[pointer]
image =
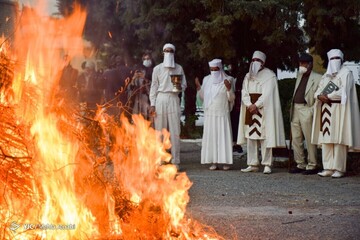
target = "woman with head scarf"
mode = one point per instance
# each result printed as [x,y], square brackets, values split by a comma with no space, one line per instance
[218,96]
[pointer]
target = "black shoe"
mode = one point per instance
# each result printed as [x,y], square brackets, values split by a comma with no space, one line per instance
[310,172]
[237,148]
[297,170]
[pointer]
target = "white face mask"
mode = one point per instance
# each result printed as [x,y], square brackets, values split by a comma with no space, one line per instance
[169,59]
[147,63]
[335,65]
[255,67]
[216,76]
[302,70]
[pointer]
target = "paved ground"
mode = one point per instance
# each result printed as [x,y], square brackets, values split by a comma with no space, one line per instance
[276,206]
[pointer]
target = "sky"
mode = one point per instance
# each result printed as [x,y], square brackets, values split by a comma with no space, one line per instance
[47,7]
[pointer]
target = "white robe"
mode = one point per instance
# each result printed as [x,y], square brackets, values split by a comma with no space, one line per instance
[217,137]
[167,105]
[344,127]
[272,126]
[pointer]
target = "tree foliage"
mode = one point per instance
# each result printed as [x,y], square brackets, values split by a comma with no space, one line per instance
[333,24]
[236,29]
[231,29]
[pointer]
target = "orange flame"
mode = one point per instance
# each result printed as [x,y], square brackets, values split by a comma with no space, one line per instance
[142,196]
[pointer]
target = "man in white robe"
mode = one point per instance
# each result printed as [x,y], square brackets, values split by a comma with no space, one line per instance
[218,98]
[165,101]
[261,121]
[336,117]
[301,116]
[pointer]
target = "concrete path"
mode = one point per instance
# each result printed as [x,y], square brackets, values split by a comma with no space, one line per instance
[276,206]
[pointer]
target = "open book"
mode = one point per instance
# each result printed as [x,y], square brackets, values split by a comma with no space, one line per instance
[329,88]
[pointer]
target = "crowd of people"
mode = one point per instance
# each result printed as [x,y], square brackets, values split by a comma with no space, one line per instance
[237,112]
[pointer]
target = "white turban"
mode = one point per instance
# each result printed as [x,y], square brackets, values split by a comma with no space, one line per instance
[334,65]
[169,60]
[216,63]
[216,77]
[256,66]
[259,55]
[335,53]
[169,45]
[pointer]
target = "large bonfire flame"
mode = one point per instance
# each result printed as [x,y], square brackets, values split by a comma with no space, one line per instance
[63,176]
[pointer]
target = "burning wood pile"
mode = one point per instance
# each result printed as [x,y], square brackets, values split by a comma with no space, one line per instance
[67,176]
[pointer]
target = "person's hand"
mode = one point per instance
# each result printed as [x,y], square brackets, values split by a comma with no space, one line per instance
[227,84]
[152,111]
[324,98]
[253,109]
[197,83]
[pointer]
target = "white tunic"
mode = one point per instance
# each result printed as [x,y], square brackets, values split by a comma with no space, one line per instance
[338,123]
[217,137]
[268,125]
[161,81]
[167,105]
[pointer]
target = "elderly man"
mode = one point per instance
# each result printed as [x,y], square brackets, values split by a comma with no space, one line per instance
[336,117]
[301,116]
[260,116]
[218,96]
[165,101]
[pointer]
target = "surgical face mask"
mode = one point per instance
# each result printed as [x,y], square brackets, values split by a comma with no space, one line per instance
[169,59]
[147,62]
[334,65]
[302,69]
[255,67]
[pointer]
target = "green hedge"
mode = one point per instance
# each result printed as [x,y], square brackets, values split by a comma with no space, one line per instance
[286,90]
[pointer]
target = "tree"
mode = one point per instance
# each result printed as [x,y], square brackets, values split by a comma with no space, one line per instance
[333,24]
[100,19]
[236,29]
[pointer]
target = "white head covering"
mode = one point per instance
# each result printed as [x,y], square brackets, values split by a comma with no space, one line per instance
[169,60]
[169,45]
[256,66]
[334,65]
[259,55]
[216,77]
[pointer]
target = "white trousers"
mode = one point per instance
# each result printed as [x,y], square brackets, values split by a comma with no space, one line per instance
[334,156]
[168,114]
[301,126]
[253,156]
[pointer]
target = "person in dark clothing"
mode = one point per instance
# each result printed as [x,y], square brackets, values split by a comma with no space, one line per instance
[235,112]
[90,85]
[67,82]
[139,87]
[116,81]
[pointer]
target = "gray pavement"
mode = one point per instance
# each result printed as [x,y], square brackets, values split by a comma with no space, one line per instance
[276,206]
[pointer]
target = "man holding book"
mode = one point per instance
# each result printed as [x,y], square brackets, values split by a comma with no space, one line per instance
[336,116]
